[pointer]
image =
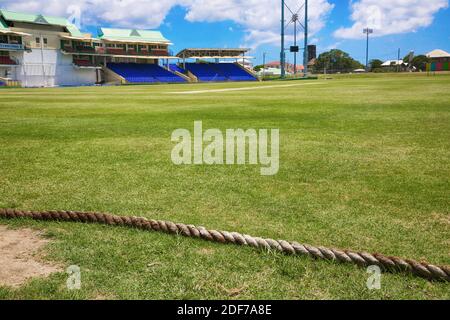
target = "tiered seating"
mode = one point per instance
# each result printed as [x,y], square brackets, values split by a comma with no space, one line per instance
[234,72]
[176,68]
[205,72]
[219,72]
[144,73]
[6,61]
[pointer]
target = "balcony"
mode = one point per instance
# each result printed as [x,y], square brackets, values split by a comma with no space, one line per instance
[83,63]
[7,61]
[80,49]
[133,52]
[114,51]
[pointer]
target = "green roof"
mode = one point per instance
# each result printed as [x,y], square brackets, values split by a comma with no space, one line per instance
[40,19]
[131,35]
[3,25]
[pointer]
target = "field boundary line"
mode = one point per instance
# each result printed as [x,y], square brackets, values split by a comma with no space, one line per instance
[244,88]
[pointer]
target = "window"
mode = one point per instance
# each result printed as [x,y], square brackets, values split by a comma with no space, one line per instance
[38,41]
[45,42]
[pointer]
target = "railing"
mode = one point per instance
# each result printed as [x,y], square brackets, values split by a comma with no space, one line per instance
[83,63]
[7,61]
[79,49]
[115,51]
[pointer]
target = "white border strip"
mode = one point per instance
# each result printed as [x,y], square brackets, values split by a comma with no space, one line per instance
[246,88]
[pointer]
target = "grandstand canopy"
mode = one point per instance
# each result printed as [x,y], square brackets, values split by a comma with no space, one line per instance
[132,36]
[211,53]
[40,19]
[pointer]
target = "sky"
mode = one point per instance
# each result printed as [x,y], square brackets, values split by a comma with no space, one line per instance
[408,25]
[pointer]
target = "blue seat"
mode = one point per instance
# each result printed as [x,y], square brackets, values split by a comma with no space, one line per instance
[176,68]
[210,72]
[144,73]
[234,72]
[205,72]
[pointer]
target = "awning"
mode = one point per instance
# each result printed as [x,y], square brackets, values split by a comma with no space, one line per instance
[221,57]
[213,53]
[117,55]
[135,41]
[80,38]
[17,33]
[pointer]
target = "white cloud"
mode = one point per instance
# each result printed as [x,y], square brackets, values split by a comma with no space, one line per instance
[390,16]
[124,13]
[259,18]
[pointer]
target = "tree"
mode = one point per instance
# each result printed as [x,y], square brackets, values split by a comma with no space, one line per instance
[375,64]
[336,61]
[258,68]
[420,62]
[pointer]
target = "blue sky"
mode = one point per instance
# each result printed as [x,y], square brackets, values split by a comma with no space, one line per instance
[406,24]
[231,34]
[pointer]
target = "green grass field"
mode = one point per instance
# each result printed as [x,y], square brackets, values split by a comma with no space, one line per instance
[364,164]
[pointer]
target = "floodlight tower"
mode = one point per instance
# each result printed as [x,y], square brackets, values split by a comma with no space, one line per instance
[367,31]
[295,19]
[306,53]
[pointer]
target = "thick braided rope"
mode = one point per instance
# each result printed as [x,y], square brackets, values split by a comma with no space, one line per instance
[362,259]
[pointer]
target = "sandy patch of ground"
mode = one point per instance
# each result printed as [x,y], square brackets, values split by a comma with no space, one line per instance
[18,256]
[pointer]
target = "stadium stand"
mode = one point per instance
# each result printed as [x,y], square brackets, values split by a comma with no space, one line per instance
[144,73]
[209,72]
[176,68]
[234,72]
[205,72]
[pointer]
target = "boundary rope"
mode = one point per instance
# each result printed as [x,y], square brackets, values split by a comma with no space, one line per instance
[362,259]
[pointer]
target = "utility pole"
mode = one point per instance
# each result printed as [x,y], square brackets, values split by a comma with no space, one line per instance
[367,31]
[282,54]
[398,60]
[306,55]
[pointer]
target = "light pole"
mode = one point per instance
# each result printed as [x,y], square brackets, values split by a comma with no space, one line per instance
[282,54]
[367,31]
[295,19]
[306,54]
[264,64]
